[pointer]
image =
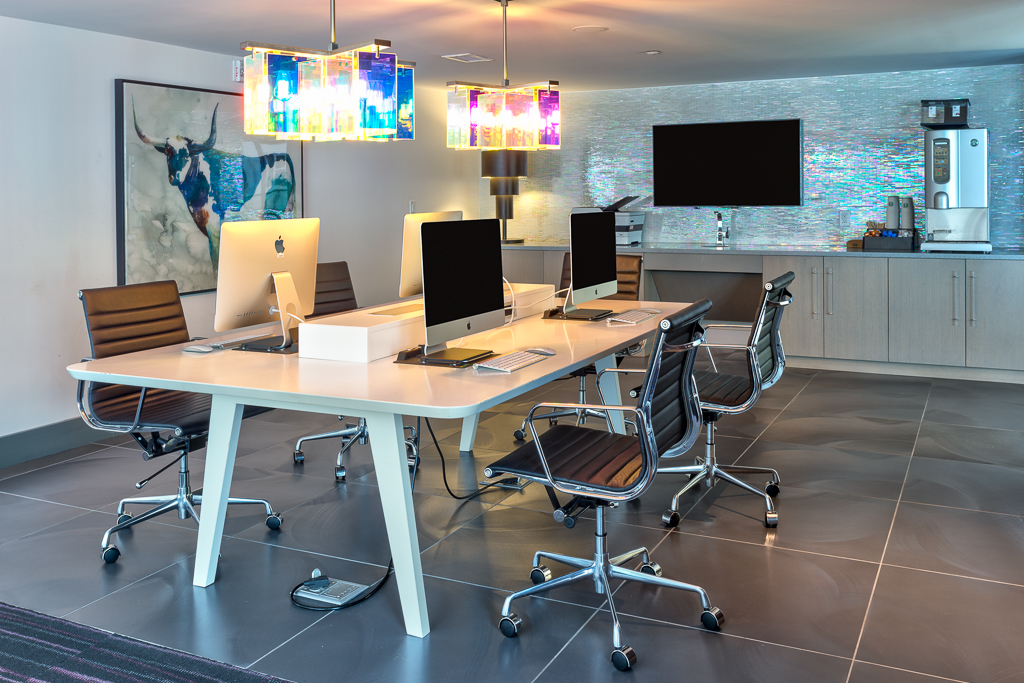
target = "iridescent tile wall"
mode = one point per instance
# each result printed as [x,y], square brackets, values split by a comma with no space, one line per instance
[862,143]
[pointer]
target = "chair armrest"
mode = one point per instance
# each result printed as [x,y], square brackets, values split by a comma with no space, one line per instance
[91,419]
[726,346]
[728,327]
[574,490]
[624,371]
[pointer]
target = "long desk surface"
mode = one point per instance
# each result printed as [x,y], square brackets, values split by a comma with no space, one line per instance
[382,392]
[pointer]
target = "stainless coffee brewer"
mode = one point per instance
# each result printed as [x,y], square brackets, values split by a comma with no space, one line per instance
[956,182]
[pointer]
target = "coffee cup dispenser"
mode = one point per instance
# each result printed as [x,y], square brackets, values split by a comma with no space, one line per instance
[956,190]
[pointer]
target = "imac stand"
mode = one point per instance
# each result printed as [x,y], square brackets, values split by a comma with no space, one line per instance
[287,308]
[570,312]
[440,354]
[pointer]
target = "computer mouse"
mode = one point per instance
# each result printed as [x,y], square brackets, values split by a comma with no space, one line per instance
[542,350]
[199,348]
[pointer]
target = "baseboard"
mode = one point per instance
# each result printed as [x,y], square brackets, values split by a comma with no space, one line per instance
[46,440]
[907,369]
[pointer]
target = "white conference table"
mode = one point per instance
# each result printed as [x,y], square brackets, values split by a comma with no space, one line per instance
[381,392]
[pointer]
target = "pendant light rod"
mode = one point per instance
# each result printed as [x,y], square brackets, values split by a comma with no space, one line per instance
[504,40]
[334,37]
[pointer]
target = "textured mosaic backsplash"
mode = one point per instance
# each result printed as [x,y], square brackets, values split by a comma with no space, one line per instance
[862,142]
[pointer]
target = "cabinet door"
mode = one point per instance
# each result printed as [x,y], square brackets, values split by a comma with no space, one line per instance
[926,311]
[994,308]
[801,327]
[856,305]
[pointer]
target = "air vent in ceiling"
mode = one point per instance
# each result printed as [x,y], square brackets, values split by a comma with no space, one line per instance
[467,58]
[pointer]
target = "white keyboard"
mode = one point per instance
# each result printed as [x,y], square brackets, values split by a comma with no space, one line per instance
[510,362]
[237,341]
[634,317]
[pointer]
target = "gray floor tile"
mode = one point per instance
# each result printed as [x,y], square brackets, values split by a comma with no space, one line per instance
[813,521]
[824,468]
[971,444]
[856,433]
[979,544]
[964,629]
[238,619]
[967,485]
[299,418]
[861,395]
[779,596]
[666,652]
[25,516]
[977,404]
[46,461]
[873,673]
[368,642]
[748,425]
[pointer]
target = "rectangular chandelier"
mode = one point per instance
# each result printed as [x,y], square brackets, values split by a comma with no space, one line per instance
[350,93]
[519,117]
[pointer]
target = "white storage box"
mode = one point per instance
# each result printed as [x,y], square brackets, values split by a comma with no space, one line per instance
[360,336]
[530,299]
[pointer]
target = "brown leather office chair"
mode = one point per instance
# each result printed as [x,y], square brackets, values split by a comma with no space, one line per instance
[601,468]
[628,270]
[335,294]
[136,318]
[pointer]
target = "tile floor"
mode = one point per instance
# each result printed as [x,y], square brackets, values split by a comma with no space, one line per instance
[898,556]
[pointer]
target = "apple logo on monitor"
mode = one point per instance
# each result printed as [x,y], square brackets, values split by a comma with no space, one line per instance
[468,326]
[279,245]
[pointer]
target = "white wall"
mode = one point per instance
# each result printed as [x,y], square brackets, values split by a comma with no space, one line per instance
[57,188]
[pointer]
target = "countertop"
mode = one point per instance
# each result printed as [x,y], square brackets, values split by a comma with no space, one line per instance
[776,250]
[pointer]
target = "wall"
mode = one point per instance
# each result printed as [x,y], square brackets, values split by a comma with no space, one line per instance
[58,180]
[862,142]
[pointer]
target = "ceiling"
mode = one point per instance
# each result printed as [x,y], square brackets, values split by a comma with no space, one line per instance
[701,41]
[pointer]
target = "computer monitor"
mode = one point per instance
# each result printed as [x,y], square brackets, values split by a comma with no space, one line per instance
[267,273]
[412,278]
[462,285]
[592,257]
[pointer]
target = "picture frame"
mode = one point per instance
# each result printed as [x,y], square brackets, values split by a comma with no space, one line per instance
[184,165]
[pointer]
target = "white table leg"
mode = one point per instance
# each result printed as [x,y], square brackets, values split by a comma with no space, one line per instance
[388,447]
[610,391]
[469,424]
[225,420]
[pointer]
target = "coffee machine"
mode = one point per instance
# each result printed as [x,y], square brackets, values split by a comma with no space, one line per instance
[956,187]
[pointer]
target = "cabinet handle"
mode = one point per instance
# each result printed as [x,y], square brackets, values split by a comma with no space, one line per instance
[974,303]
[814,293]
[829,311]
[956,299]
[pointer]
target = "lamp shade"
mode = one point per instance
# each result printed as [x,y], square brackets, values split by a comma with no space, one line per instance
[517,117]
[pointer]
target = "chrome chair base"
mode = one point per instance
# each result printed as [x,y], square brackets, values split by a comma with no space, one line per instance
[182,502]
[708,471]
[353,433]
[601,570]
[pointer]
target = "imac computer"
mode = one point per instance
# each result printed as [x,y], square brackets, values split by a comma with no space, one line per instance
[411,283]
[592,255]
[463,290]
[267,273]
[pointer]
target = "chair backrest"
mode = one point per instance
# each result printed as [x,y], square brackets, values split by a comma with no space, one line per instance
[133,317]
[627,271]
[334,291]
[764,333]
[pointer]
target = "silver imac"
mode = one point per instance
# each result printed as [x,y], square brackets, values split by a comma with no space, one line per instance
[592,255]
[267,273]
[463,291]
[412,277]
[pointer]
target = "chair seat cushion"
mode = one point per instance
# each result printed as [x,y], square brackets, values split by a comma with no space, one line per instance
[722,390]
[578,455]
[163,408]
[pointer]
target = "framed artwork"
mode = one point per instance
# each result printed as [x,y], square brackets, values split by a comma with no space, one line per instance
[184,166]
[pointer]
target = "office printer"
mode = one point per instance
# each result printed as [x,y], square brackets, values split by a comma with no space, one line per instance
[629,225]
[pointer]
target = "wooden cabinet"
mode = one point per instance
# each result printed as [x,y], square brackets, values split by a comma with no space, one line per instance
[801,328]
[993,314]
[927,311]
[856,305]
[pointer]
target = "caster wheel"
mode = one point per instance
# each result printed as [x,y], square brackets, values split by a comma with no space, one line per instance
[275,521]
[623,658]
[712,619]
[519,435]
[510,625]
[540,574]
[110,554]
[772,488]
[124,517]
[670,518]
[652,568]
[339,474]
[298,457]
[569,522]
[771,519]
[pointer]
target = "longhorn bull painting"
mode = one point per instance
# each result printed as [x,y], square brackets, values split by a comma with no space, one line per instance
[194,169]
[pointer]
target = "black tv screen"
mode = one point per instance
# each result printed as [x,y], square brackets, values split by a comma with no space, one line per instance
[744,163]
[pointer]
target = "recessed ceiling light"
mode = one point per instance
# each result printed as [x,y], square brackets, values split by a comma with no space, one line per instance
[467,58]
[590,29]
[653,52]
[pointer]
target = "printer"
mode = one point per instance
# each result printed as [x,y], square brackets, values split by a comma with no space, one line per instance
[629,225]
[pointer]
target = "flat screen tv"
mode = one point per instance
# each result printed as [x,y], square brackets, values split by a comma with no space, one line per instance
[742,163]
